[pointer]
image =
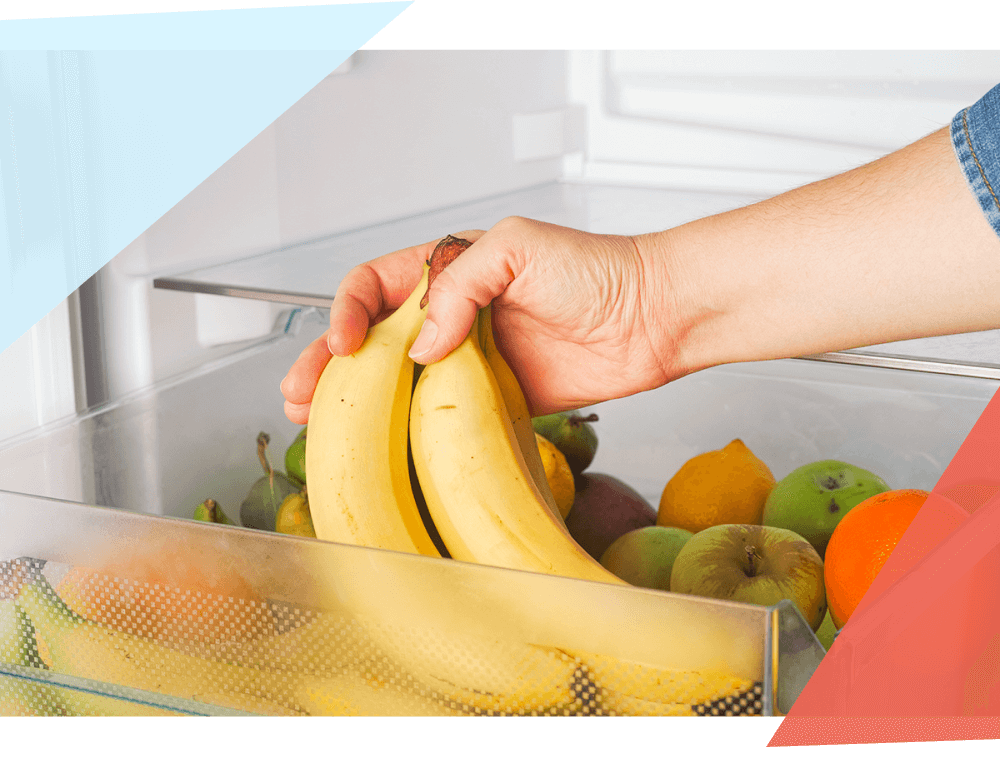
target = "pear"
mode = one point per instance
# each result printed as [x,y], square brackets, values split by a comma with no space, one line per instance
[572,434]
[295,458]
[210,511]
[260,509]
[293,516]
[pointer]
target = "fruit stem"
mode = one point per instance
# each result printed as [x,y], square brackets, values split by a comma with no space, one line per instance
[262,440]
[445,252]
[751,564]
[211,506]
[576,421]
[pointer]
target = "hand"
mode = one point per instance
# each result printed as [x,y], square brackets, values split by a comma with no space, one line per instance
[580,318]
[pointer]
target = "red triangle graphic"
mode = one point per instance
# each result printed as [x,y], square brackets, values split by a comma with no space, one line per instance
[919,659]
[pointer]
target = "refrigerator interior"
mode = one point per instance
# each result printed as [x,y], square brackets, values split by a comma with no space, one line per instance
[194,325]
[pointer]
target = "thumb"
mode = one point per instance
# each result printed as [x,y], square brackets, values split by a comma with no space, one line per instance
[476,277]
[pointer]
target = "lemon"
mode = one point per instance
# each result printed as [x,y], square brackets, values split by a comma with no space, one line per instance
[558,473]
[729,485]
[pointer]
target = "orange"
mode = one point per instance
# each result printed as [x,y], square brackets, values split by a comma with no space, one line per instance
[729,485]
[862,543]
[167,596]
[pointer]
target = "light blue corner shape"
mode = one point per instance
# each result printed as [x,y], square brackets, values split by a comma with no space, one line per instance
[303,28]
[103,130]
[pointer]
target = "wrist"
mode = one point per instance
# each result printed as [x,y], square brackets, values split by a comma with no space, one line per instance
[681,308]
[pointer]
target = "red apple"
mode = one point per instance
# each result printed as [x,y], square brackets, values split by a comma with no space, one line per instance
[752,564]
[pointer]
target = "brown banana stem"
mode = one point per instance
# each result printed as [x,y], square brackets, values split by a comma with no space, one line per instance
[445,252]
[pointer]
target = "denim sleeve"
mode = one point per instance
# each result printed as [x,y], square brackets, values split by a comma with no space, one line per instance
[975,136]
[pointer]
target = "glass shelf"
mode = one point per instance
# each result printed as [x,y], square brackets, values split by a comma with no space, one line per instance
[308,274]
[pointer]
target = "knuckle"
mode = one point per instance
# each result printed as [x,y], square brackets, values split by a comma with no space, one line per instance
[513,224]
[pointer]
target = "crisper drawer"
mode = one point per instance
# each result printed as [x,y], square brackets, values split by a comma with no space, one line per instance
[276,625]
[186,617]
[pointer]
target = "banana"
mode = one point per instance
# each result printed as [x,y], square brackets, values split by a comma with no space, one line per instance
[473,673]
[313,648]
[85,649]
[355,694]
[627,688]
[359,484]
[474,477]
[517,408]
[28,695]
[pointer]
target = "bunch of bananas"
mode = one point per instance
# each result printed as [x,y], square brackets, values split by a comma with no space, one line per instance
[479,472]
[472,442]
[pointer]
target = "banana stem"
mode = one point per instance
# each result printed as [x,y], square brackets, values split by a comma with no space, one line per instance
[445,252]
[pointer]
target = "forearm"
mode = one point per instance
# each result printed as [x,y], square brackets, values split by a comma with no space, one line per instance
[896,249]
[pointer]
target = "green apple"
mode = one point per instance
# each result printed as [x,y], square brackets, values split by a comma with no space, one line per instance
[813,499]
[645,557]
[752,564]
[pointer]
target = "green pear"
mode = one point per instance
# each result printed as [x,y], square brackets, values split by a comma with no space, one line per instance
[260,508]
[645,557]
[295,458]
[210,511]
[572,435]
[813,499]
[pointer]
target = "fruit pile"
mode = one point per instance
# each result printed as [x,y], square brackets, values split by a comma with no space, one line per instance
[458,469]
[726,529]
[276,501]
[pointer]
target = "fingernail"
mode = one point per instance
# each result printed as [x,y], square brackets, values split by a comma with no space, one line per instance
[425,339]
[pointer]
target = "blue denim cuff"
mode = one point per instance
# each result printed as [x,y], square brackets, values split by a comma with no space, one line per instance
[975,136]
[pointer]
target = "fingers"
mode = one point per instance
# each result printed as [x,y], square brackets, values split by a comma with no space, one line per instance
[472,281]
[300,383]
[297,413]
[368,294]
[371,291]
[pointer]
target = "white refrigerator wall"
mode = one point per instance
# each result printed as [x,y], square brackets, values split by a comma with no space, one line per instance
[392,134]
[387,136]
[763,122]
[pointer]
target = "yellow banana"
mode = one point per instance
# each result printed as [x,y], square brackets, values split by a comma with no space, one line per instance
[313,648]
[21,646]
[475,674]
[474,477]
[355,694]
[85,649]
[359,484]
[627,688]
[517,408]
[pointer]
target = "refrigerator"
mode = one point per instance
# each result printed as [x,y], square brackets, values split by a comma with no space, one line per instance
[144,393]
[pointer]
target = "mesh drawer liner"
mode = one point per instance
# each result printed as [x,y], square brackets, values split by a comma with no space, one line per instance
[103,645]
